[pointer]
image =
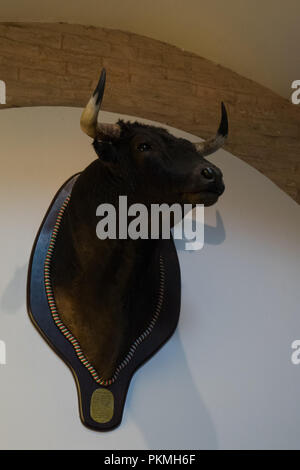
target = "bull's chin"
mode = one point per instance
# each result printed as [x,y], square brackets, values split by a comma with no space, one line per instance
[207,198]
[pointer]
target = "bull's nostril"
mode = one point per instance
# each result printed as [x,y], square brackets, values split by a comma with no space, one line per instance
[208,173]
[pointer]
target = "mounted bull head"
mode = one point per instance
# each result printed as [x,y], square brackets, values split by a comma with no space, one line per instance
[104,288]
[154,165]
[107,305]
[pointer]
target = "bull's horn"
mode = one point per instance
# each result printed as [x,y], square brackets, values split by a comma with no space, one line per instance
[89,116]
[212,145]
[106,131]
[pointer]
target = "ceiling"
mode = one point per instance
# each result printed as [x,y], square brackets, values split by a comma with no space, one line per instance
[259,39]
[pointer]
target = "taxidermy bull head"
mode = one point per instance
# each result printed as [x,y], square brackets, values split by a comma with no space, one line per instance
[149,164]
[104,289]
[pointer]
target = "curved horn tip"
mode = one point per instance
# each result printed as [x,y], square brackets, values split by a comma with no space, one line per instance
[100,86]
[88,120]
[223,128]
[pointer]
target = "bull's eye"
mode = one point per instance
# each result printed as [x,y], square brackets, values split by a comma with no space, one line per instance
[144,147]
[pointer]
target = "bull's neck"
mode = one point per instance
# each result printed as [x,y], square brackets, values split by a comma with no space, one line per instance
[118,260]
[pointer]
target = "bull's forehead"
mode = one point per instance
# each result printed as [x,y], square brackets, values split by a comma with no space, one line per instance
[157,134]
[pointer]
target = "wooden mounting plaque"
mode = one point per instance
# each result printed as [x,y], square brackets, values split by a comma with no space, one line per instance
[100,407]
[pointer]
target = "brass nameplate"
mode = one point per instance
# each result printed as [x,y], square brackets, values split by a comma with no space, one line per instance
[102,405]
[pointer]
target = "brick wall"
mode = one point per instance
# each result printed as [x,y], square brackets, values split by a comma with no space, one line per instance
[58,64]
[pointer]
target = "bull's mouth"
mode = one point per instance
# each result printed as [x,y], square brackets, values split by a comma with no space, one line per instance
[208,198]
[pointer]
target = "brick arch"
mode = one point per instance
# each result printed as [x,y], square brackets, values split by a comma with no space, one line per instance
[58,64]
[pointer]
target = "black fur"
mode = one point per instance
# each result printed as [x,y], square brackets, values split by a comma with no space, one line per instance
[103,288]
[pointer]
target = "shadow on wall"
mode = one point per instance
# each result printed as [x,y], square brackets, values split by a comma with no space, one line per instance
[14,295]
[166,405]
[179,418]
[212,235]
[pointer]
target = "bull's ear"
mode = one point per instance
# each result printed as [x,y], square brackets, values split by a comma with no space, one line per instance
[105,150]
